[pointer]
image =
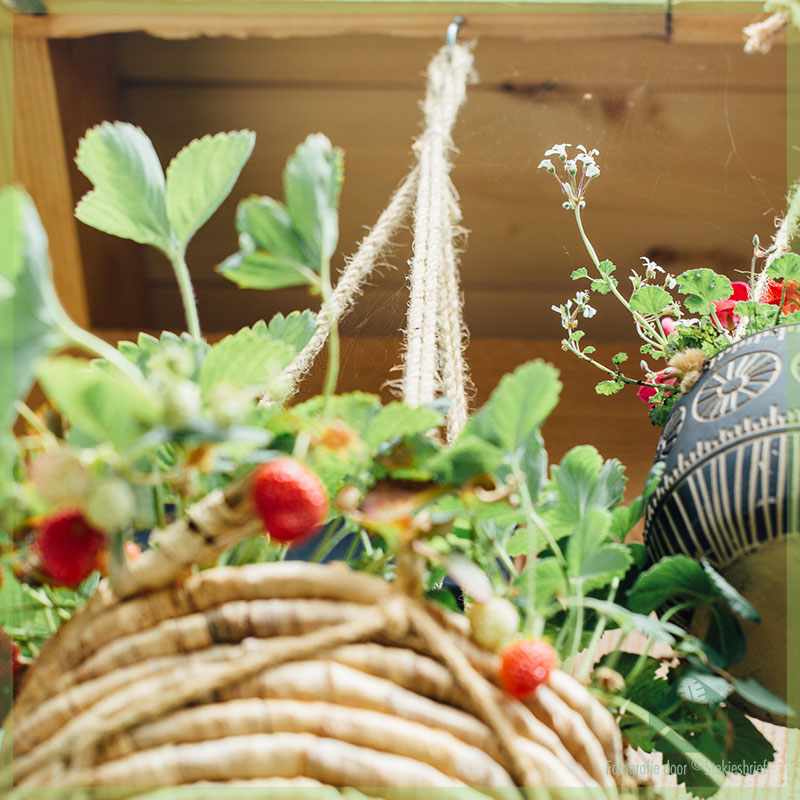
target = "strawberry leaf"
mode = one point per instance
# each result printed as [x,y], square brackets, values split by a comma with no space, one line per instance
[128,199]
[201,176]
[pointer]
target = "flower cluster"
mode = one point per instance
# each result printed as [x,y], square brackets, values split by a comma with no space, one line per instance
[578,177]
[712,313]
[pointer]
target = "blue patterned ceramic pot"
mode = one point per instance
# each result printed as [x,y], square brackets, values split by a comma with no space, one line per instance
[730,491]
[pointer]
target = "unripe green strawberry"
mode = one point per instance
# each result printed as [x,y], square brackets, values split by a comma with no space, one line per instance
[494,623]
[60,476]
[181,404]
[110,504]
[290,499]
[525,665]
[67,546]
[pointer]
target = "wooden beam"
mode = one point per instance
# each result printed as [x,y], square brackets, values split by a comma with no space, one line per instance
[40,165]
[529,27]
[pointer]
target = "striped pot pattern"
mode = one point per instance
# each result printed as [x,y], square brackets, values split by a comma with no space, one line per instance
[730,490]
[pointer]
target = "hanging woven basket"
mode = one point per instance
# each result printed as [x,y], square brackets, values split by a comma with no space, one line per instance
[291,674]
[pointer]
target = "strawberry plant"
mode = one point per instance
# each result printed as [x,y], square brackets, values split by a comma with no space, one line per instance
[129,439]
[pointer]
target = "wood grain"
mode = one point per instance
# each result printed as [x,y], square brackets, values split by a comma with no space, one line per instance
[40,164]
[88,92]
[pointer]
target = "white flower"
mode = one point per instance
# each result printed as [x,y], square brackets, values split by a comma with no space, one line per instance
[557,309]
[650,267]
[571,166]
[559,150]
[589,312]
[581,298]
[592,171]
[670,282]
[590,153]
[546,164]
[567,205]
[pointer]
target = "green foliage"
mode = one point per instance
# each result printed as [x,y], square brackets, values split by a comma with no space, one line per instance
[294,329]
[132,198]
[28,328]
[703,287]
[201,176]
[129,195]
[288,244]
[396,420]
[100,404]
[785,267]
[609,387]
[591,559]
[650,300]
[517,407]
[250,359]
[579,273]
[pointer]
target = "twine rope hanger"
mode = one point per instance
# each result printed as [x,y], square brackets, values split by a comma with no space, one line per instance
[435,335]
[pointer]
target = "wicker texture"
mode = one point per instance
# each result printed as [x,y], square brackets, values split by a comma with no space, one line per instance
[293,674]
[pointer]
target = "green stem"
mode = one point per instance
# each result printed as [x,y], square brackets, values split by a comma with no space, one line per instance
[158,506]
[641,662]
[30,417]
[332,374]
[586,243]
[578,625]
[779,310]
[661,730]
[597,634]
[178,260]
[94,344]
[657,335]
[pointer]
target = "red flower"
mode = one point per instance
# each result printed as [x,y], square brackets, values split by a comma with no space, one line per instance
[667,376]
[724,308]
[791,302]
[668,324]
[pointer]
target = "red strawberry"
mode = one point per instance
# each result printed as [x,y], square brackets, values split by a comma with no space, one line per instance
[16,664]
[526,664]
[68,546]
[290,499]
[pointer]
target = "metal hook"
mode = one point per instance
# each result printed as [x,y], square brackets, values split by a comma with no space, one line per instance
[452,30]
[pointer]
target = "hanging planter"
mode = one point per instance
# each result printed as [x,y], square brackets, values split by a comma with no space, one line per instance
[730,489]
[725,393]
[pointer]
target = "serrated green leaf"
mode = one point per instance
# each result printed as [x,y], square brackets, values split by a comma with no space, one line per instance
[625,517]
[583,482]
[590,559]
[608,562]
[751,691]
[294,329]
[467,457]
[581,272]
[671,578]
[739,605]
[650,300]
[609,387]
[102,404]
[702,687]
[518,406]
[549,582]
[785,267]
[589,349]
[256,269]
[201,176]
[249,359]
[703,287]
[128,199]
[605,267]
[312,184]
[619,358]
[28,328]
[603,286]
[749,749]
[397,419]
[356,409]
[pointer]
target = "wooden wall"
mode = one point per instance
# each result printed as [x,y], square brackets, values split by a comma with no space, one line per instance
[692,145]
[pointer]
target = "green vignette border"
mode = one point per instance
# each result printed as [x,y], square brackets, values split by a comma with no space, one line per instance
[665,7]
